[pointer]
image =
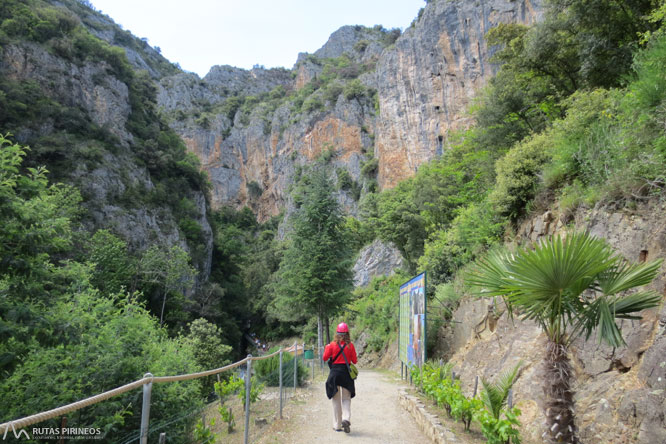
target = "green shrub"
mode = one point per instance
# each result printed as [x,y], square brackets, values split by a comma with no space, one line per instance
[476,228]
[107,342]
[345,180]
[518,175]
[375,309]
[312,104]
[370,167]
[354,90]
[255,190]
[209,351]
[332,92]
[268,370]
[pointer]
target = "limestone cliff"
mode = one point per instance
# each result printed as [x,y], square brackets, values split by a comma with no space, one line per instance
[81,122]
[427,81]
[417,87]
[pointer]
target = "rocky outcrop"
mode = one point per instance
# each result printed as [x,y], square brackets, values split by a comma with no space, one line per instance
[108,168]
[619,393]
[424,82]
[376,259]
[252,159]
[427,81]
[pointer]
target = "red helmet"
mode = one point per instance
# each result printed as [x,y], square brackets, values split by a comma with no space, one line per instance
[343,328]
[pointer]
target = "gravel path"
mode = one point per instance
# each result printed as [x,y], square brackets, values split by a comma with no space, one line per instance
[376,416]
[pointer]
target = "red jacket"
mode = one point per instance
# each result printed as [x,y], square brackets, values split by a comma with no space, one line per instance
[333,348]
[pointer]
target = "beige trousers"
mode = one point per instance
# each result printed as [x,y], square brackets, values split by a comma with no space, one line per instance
[341,407]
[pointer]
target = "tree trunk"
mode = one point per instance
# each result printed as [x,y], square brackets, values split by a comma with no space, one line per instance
[320,334]
[163,305]
[559,396]
[328,330]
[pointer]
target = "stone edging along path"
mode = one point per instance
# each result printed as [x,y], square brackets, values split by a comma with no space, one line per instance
[427,422]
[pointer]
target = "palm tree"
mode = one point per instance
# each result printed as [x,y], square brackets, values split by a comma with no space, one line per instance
[495,395]
[568,287]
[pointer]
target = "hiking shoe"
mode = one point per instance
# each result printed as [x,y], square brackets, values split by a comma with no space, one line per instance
[345,426]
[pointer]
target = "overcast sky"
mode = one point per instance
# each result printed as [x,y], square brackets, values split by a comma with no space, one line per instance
[198,34]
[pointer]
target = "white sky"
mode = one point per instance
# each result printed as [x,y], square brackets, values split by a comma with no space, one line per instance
[201,33]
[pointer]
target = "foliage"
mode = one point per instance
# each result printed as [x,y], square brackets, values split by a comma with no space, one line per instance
[268,370]
[518,175]
[428,202]
[114,267]
[501,430]
[498,425]
[100,344]
[495,395]
[203,434]
[245,255]
[61,331]
[374,309]
[255,390]
[36,228]
[168,271]
[354,90]
[209,351]
[475,229]
[254,189]
[548,285]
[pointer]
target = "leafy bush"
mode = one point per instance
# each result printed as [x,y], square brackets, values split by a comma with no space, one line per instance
[361,45]
[255,189]
[518,175]
[476,228]
[374,309]
[312,104]
[332,92]
[369,168]
[268,370]
[209,351]
[354,90]
[498,425]
[103,343]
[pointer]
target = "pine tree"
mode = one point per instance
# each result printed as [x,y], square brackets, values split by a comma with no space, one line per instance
[315,275]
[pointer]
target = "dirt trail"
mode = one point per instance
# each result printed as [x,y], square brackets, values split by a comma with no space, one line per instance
[376,416]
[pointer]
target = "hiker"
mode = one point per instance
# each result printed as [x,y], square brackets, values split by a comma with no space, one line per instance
[340,385]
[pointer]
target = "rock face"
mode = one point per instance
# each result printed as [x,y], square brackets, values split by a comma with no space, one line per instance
[109,166]
[619,393]
[377,259]
[427,81]
[421,84]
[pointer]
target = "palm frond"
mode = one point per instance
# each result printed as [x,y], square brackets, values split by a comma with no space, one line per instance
[490,274]
[491,398]
[624,276]
[494,395]
[634,303]
[608,329]
[601,313]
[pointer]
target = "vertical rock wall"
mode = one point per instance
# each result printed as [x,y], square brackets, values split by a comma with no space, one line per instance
[428,80]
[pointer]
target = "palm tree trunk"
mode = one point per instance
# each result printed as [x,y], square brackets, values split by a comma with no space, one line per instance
[559,396]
